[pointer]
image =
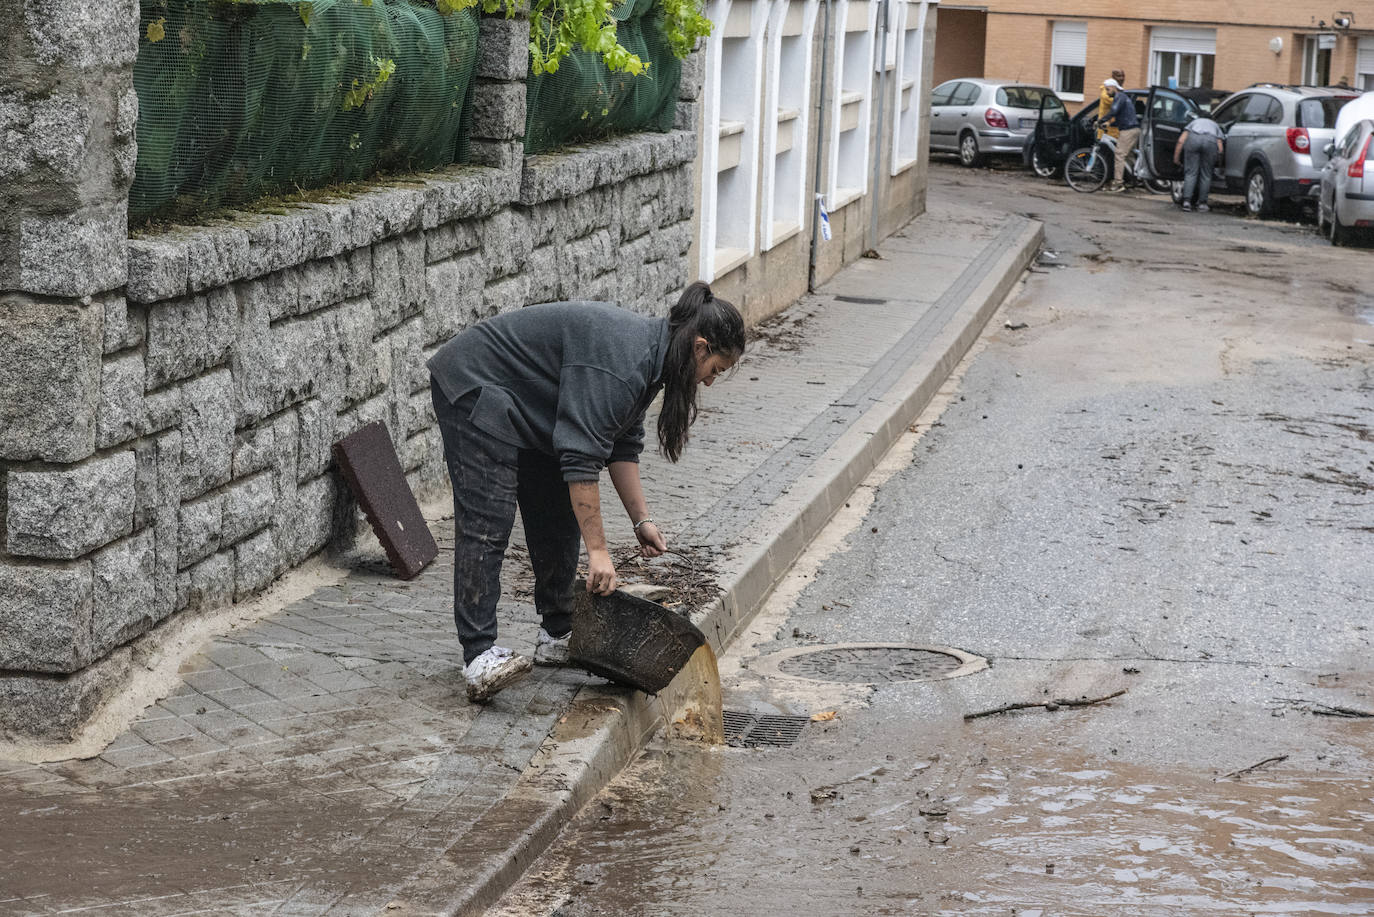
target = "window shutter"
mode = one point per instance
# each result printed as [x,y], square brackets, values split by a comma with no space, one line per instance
[1070,47]
[1186,41]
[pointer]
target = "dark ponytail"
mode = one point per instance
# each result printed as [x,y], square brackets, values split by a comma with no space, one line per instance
[697,314]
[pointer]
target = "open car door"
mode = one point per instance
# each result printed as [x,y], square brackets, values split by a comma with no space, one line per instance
[1051,139]
[1166,118]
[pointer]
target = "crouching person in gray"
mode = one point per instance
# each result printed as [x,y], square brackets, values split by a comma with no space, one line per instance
[532,405]
[1199,146]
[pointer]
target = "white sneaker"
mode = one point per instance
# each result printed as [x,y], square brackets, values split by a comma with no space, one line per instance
[495,669]
[551,650]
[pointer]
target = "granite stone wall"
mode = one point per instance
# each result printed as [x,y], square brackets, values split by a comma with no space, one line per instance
[170,399]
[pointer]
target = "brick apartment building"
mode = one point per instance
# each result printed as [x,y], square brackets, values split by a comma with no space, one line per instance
[1072,45]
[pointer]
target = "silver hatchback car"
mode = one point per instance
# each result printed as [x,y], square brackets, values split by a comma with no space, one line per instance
[977,117]
[1347,184]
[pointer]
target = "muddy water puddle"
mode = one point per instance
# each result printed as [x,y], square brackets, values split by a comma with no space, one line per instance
[738,831]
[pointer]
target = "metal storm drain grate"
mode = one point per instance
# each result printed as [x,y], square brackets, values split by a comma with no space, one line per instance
[755,730]
[873,663]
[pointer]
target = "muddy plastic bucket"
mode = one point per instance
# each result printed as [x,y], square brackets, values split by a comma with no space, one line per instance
[630,640]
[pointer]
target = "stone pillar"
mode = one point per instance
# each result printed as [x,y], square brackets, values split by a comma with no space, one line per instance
[68,114]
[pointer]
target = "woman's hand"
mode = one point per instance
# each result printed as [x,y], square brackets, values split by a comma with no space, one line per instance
[651,540]
[601,575]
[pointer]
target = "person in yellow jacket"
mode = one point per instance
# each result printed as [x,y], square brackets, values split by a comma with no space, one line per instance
[1104,104]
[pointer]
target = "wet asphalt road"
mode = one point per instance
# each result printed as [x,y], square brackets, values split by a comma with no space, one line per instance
[1164,485]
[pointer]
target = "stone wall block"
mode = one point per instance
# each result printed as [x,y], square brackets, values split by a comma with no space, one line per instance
[221,324]
[66,512]
[74,255]
[248,507]
[546,282]
[398,289]
[464,192]
[693,76]
[323,283]
[358,272]
[506,243]
[382,214]
[588,212]
[327,230]
[45,617]
[417,414]
[274,243]
[498,110]
[123,327]
[50,370]
[145,482]
[178,340]
[216,256]
[505,155]
[199,526]
[207,584]
[305,523]
[123,593]
[455,295]
[316,437]
[207,432]
[81,34]
[687,116]
[253,450]
[408,373]
[357,368]
[505,295]
[416,449]
[582,260]
[256,562]
[166,518]
[162,410]
[276,295]
[45,137]
[123,414]
[449,239]
[503,48]
[158,269]
[546,222]
[55,710]
[276,366]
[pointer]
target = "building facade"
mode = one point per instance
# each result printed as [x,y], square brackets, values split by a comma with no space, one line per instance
[804,98]
[1073,45]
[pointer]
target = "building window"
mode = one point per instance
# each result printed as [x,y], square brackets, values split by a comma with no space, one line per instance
[1364,65]
[1182,58]
[787,75]
[1069,58]
[855,60]
[1316,60]
[906,136]
[731,127]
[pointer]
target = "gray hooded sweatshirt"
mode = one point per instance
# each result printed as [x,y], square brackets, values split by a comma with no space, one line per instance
[570,379]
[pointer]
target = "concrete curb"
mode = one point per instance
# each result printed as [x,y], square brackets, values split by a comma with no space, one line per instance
[607,726]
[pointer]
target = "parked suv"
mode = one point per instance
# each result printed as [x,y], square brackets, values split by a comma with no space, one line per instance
[1276,139]
[976,117]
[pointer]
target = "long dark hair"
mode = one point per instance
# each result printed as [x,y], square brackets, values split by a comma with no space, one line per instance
[697,314]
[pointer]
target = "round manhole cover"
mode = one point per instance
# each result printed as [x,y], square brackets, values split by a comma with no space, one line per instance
[872,663]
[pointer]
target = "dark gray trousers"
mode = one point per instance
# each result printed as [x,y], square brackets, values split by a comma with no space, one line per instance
[1199,161]
[490,478]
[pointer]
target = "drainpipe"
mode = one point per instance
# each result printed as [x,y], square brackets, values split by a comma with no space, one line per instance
[820,144]
[874,202]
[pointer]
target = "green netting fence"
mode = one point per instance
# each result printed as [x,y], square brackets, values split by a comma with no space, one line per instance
[244,98]
[584,100]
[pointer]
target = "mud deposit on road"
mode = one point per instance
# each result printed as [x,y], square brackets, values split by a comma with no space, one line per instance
[696,831]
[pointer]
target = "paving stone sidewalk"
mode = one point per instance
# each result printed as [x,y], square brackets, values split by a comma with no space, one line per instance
[313,761]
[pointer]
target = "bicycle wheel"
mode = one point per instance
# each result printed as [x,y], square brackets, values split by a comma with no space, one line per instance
[1086,170]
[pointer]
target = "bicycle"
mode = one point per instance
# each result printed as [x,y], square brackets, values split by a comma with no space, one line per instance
[1089,168]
